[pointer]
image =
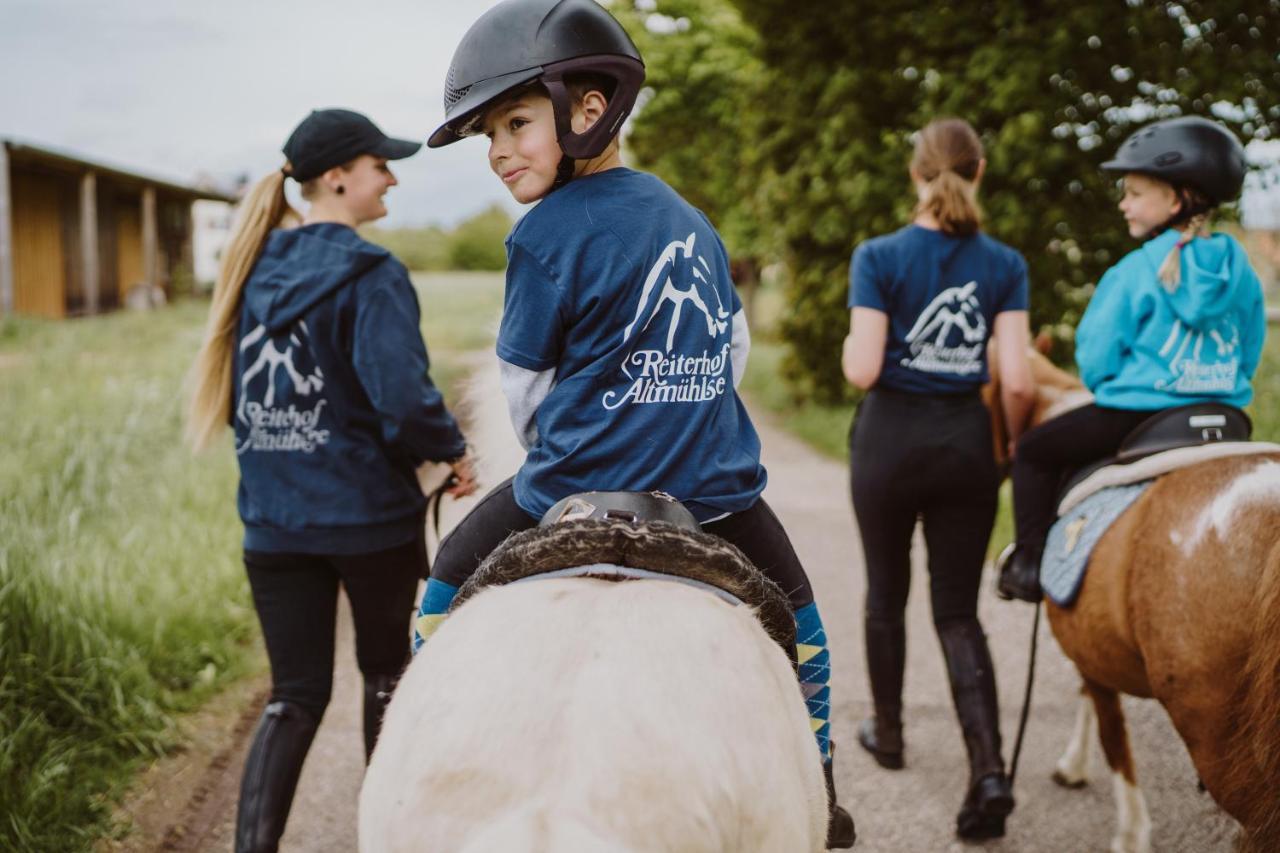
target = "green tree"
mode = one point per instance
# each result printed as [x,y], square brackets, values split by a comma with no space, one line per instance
[699,119]
[479,243]
[825,124]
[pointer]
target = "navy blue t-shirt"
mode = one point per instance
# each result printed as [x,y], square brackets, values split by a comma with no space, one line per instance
[942,294]
[623,288]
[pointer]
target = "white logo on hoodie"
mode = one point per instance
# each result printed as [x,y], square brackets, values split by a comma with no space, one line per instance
[678,278]
[275,427]
[934,349]
[1195,368]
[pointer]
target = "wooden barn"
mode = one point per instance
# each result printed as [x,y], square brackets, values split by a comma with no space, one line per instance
[77,236]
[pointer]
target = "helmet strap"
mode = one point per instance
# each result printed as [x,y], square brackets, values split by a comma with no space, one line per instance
[564,172]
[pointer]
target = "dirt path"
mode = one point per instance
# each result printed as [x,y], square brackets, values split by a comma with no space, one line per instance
[911,810]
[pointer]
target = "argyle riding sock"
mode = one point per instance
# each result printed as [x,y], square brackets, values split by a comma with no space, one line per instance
[435,606]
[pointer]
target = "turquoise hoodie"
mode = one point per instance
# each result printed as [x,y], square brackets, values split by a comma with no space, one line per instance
[1142,348]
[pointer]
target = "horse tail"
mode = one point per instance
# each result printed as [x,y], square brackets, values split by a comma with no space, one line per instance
[1258,749]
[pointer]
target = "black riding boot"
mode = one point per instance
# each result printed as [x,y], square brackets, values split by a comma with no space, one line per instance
[377,695]
[1020,573]
[840,830]
[886,642]
[271,774]
[973,688]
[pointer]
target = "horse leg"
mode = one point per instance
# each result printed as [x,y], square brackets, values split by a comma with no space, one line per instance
[1133,835]
[1072,770]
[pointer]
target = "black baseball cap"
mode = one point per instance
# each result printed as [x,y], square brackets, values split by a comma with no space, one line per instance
[329,138]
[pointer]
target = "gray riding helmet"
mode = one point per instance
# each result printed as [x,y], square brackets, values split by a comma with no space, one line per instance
[520,41]
[1186,152]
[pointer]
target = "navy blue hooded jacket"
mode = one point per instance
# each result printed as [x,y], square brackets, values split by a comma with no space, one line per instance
[333,407]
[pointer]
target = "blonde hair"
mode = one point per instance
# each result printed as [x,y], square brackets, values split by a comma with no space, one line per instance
[1196,225]
[947,157]
[209,381]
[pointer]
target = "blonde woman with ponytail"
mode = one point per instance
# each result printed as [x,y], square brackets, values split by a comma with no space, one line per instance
[925,300]
[314,357]
[1177,321]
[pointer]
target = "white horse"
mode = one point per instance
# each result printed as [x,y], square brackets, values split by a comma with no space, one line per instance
[580,714]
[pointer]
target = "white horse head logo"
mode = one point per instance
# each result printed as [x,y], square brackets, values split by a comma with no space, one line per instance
[953,308]
[271,359]
[678,265]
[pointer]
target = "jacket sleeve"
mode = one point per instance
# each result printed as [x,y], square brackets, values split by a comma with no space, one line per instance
[392,365]
[1102,338]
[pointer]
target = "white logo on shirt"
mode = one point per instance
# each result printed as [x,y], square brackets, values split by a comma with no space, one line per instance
[1193,369]
[273,427]
[934,348]
[674,263]
[677,278]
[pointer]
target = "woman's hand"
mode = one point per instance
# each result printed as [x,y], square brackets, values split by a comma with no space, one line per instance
[464,476]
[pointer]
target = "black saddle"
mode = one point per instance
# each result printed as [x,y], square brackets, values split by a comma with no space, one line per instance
[1184,426]
[651,532]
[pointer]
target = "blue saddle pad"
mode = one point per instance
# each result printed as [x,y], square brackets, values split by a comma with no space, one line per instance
[1072,537]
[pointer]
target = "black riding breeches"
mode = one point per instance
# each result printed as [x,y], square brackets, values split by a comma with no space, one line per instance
[755,531]
[929,458]
[296,596]
[1046,455]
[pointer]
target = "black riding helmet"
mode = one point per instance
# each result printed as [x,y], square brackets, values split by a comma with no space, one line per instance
[521,41]
[1189,152]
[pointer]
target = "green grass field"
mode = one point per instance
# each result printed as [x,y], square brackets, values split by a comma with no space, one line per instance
[122,598]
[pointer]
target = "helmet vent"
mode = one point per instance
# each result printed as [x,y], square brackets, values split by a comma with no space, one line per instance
[453,94]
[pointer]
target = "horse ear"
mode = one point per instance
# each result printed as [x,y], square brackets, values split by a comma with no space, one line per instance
[1043,343]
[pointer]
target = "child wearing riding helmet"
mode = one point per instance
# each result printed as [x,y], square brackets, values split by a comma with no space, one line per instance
[314,357]
[622,338]
[925,300]
[1177,321]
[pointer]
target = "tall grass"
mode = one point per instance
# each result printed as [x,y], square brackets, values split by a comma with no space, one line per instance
[123,601]
[121,596]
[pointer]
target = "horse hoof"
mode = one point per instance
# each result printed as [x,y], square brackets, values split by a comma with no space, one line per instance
[1067,782]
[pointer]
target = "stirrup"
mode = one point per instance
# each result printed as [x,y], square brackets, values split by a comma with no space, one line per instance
[1019,574]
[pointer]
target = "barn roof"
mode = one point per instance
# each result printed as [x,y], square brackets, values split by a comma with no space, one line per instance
[66,161]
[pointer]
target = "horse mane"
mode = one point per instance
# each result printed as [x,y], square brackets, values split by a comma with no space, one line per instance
[1056,392]
[1255,755]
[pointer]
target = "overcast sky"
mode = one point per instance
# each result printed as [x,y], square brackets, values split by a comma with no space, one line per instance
[179,88]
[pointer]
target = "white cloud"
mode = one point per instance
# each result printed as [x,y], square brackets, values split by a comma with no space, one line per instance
[179,89]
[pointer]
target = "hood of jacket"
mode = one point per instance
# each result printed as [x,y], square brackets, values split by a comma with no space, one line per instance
[300,266]
[1214,268]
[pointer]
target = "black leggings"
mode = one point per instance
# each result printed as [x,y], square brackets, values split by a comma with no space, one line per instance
[756,531]
[914,456]
[296,596]
[1055,449]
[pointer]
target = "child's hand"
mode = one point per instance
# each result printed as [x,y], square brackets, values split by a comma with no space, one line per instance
[464,476]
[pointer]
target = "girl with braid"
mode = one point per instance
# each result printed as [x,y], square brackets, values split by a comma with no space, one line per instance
[1177,321]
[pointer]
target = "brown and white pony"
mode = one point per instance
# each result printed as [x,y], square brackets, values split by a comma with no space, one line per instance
[1181,603]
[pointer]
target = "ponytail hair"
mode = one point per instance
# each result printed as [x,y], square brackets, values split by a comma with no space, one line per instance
[1170,271]
[209,409]
[1193,221]
[948,155]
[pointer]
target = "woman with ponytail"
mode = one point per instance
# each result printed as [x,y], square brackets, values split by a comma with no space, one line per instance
[314,357]
[1179,320]
[925,301]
